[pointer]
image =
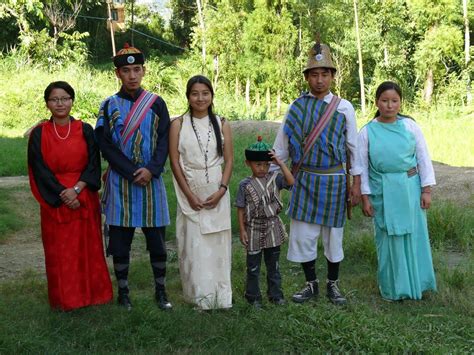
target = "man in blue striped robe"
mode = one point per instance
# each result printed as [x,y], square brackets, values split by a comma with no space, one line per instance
[317,202]
[136,147]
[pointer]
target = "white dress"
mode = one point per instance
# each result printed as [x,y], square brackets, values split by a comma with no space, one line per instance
[203,237]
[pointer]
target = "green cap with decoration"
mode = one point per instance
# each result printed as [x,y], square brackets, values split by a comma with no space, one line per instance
[258,151]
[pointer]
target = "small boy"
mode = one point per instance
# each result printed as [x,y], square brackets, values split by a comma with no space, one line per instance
[258,204]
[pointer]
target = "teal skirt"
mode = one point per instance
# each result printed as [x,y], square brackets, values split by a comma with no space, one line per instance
[405,266]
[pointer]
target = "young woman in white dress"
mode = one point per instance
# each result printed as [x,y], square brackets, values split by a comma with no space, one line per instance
[200,144]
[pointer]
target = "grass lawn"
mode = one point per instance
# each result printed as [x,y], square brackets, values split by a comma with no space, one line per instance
[441,323]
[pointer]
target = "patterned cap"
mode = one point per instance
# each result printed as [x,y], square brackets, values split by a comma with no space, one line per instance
[319,56]
[128,56]
[258,151]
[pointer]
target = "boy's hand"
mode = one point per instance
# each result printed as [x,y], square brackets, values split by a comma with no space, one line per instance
[275,159]
[244,239]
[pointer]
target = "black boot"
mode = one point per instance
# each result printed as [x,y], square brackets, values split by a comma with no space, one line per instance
[124,301]
[121,265]
[311,290]
[162,300]
[333,293]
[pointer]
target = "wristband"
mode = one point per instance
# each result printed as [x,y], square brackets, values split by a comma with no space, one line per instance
[224,186]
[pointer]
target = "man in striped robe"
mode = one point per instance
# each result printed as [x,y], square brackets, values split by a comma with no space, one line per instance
[317,202]
[132,133]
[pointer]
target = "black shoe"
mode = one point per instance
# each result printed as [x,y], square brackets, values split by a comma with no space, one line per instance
[334,295]
[124,301]
[278,301]
[257,304]
[309,291]
[162,300]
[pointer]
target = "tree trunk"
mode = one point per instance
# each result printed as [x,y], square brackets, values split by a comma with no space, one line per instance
[247,93]
[257,99]
[203,30]
[111,23]
[216,71]
[278,102]
[385,55]
[467,56]
[429,86]
[133,24]
[237,88]
[268,102]
[359,54]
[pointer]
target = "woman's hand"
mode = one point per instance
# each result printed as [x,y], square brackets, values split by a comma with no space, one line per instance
[73,205]
[425,200]
[195,202]
[68,195]
[214,199]
[367,208]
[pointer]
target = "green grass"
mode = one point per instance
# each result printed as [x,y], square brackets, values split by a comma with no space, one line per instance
[441,323]
[13,156]
[9,221]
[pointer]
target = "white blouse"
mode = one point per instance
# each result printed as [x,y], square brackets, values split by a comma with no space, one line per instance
[425,166]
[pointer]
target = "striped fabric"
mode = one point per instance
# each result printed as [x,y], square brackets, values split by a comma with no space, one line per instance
[317,198]
[264,228]
[127,204]
[137,114]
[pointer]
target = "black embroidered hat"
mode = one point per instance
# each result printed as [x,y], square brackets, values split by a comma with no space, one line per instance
[128,56]
[258,151]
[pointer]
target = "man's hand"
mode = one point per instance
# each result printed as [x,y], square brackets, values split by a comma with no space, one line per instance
[142,176]
[355,194]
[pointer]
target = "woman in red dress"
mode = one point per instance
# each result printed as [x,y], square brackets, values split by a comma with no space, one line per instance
[64,171]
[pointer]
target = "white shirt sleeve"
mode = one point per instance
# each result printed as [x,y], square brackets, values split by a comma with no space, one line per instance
[346,108]
[280,146]
[425,166]
[363,161]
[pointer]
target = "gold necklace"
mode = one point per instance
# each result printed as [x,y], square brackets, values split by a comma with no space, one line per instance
[68,130]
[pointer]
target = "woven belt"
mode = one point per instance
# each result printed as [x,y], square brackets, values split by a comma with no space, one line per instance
[323,171]
[412,172]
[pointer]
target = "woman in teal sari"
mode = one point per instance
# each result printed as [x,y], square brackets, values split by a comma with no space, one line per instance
[396,179]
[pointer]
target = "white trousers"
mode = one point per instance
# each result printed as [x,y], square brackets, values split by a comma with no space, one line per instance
[303,243]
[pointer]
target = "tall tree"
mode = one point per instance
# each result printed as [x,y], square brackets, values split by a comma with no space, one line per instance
[467,55]
[359,55]
[182,20]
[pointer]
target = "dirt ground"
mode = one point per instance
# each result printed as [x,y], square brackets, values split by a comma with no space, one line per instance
[23,251]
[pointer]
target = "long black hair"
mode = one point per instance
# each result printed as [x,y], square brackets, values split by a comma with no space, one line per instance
[201,79]
[59,85]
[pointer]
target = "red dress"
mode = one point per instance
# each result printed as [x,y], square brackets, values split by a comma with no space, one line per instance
[72,239]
